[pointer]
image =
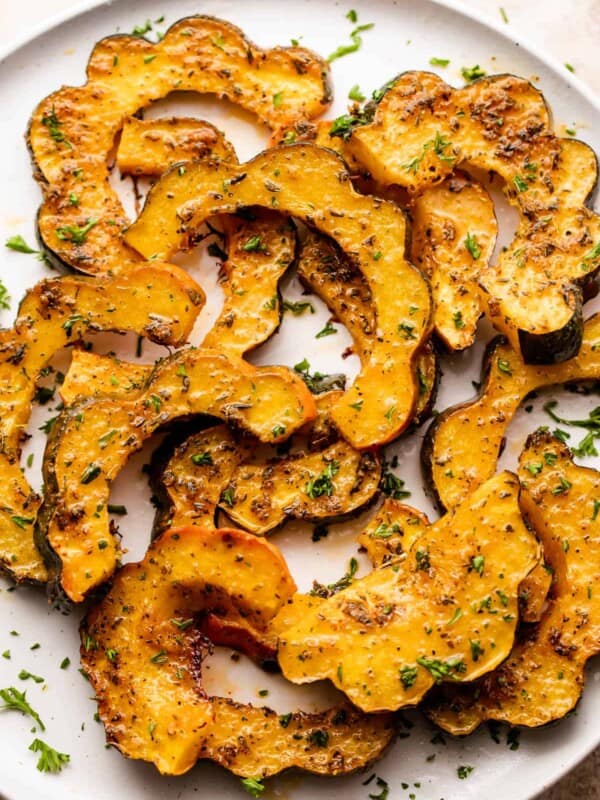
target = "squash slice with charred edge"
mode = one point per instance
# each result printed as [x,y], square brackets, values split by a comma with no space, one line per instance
[422,129]
[90,443]
[312,184]
[324,269]
[315,483]
[454,231]
[430,616]
[143,651]
[396,526]
[543,677]
[462,446]
[160,302]
[151,146]
[260,246]
[188,479]
[72,131]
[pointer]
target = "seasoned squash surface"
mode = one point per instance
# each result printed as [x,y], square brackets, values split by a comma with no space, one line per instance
[312,183]
[462,446]
[422,129]
[543,677]
[73,130]
[445,611]
[142,650]
[160,302]
[91,442]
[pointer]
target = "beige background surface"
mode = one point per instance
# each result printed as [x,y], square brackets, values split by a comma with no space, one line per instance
[570,31]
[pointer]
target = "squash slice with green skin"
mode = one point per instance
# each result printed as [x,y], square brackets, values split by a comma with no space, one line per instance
[151,146]
[143,652]
[90,443]
[421,130]
[462,446]
[312,183]
[324,269]
[160,302]
[72,131]
[445,611]
[453,235]
[322,481]
[543,677]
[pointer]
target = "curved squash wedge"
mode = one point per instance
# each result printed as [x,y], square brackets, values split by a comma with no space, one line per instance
[72,131]
[260,247]
[454,232]
[160,302]
[324,269]
[462,446]
[91,442]
[188,480]
[422,129]
[315,483]
[446,611]
[453,236]
[143,651]
[151,146]
[543,677]
[312,184]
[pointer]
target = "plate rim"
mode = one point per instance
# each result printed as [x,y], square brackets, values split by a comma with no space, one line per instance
[551,62]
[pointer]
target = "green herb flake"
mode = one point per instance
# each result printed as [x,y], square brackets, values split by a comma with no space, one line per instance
[74,233]
[254,244]
[439,62]
[228,497]
[440,670]
[277,99]
[464,771]
[254,786]
[596,509]
[472,73]
[202,459]
[563,486]
[356,94]
[19,245]
[25,675]
[504,15]
[52,123]
[477,564]
[297,307]
[504,366]
[22,522]
[476,649]
[323,483]
[328,330]
[160,658]
[520,184]
[50,760]
[14,700]
[570,67]
[457,318]
[408,676]
[149,59]
[346,49]
[473,246]
[65,663]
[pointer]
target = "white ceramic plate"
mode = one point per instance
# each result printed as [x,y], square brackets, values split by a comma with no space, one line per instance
[406,35]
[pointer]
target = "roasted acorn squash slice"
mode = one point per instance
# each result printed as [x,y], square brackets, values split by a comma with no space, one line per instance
[462,446]
[151,146]
[422,129]
[91,442]
[543,677]
[326,271]
[72,131]
[160,302]
[312,184]
[92,376]
[142,651]
[315,483]
[446,611]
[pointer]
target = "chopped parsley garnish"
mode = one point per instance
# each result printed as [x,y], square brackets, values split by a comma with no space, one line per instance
[14,700]
[4,297]
[504,15]
[472,73]
[439,670]
[160,658]
[326,590]
[563,486]
[464,771]
[346,49]
[477,564]
[254,786]
[319,382]
[385,790]
[50,760]
[119,510]
[457,318]
[253,244]
[534,467]
[201,459]
[74,233]
[64,664]
[285,719]
[384,531]
[25,675]
[105,439]
[504,366]
[423,560]
[520,184]
[596,509]
[439,145]
[328,330]
[323,484]
[408,676]
[439,62]
[343,125]
[407,330]
[476,649]
[570,67]
[54,125]
[278,430]
[297,307]
[19,245]
[90,473]
[392,485]
[22,522]
[140,30]
[277,99]
[320,738]
[473,246]
[228,496]
[356,94]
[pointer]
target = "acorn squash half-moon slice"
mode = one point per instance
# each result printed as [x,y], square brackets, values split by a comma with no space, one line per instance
[160,302]
[462,446]
[90,443]
[422,129]
[447,610]
[543,677]
[72,131]
[142,650]
[312,184]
